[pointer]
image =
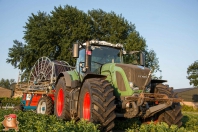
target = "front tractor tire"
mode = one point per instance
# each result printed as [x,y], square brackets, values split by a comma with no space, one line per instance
[171,115]
[96,103]
[45,106]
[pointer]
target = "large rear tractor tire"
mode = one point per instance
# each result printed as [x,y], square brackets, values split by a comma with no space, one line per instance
[171,115]
[45,106]
[96,103]
[61,101]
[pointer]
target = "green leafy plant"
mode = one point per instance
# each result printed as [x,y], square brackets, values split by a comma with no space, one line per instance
[124,123]
[189,108]
[10,101]
[32,122]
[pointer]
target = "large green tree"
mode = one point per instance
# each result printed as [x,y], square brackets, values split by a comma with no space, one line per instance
[53,34]
[110,27]
[69,25]
[153,63]
[192,72]
[15,54]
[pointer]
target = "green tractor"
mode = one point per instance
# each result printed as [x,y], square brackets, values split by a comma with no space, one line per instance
[102,87]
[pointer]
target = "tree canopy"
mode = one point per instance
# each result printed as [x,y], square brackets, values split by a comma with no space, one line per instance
[192,72]
[153,63]
[53,35]
[6,83]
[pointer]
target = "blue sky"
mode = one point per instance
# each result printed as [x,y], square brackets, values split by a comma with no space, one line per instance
[169,27]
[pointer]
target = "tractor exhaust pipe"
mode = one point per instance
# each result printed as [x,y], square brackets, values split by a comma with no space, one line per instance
[142,59]
[75,50]
[88,57]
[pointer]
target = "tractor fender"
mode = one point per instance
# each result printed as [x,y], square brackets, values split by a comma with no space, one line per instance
[67,77]
[69,82]
[154,82]
[90,75]
[76,83]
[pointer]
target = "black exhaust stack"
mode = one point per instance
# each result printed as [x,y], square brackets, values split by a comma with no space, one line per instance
[88,57]
[142,59]
[75,50]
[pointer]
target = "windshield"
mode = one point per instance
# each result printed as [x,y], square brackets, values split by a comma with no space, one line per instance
[102,55]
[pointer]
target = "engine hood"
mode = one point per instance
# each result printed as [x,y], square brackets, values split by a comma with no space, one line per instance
[136,74]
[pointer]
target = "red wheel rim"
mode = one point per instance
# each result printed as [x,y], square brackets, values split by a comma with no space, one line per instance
[60,102]
[86,106]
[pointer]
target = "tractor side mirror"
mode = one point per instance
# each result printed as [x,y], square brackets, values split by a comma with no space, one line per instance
[75,50]
[142,59]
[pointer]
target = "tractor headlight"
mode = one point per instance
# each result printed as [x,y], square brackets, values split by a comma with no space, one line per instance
[131,84]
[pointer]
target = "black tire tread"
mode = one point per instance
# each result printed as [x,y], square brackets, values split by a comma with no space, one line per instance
[66,113]
[49,105]
[103,98]
[171,115]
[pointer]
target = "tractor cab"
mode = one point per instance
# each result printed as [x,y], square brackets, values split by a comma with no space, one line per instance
[97,56]
[92,55]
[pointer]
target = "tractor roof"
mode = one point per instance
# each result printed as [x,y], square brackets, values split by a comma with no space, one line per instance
[104,43]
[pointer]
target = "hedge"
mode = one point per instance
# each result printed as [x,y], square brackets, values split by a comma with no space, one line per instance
[10,101]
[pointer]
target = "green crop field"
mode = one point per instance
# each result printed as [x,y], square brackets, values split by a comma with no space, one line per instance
[29,121]
[32,122]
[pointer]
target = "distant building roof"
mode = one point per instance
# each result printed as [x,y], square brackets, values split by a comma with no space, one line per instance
[5,92]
